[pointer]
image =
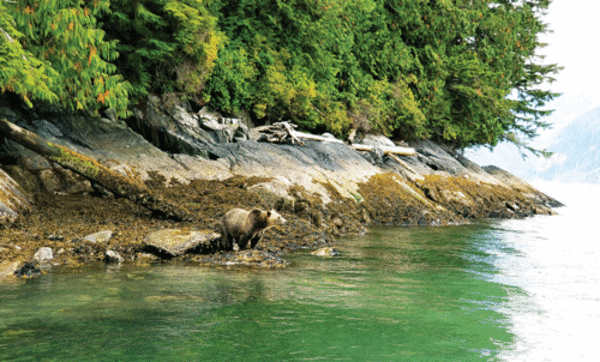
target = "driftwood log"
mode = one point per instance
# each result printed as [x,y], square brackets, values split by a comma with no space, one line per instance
[282,130]
[397,150]
[121,186]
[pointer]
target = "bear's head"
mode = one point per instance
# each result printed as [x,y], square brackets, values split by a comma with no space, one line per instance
[274,219]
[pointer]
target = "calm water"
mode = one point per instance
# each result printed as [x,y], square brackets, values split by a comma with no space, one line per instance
[526,290]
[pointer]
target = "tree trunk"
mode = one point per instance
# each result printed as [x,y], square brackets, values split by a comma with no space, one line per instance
[120,185]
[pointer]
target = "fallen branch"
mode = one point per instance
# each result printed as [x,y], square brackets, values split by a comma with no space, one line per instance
[402,163]
[89,168]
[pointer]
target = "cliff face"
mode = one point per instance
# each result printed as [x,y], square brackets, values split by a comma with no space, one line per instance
[324,189]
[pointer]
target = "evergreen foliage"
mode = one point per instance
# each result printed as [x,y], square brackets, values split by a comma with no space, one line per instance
[166,46]
[461,72]
[64,37]
[20,72]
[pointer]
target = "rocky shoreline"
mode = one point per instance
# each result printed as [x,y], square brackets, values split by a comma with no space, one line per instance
[207,165]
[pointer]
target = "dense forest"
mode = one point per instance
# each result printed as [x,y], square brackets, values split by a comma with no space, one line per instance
[460,72]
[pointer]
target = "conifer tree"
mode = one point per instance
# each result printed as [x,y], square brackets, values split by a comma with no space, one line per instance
[63,35]
[165,46]
[20,71]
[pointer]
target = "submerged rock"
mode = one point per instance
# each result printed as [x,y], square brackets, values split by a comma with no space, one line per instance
[175,242]
[112,256]
[328,251]
[251,258]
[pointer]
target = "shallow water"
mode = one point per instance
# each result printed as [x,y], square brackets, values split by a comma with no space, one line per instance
[515,290]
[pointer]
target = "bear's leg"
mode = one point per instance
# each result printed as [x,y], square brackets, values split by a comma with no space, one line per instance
[244,242]
[256,238]
[225,237]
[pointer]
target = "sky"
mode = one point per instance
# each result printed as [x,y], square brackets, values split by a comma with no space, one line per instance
[573,45]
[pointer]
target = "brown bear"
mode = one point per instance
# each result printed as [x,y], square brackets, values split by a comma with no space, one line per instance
[240,227]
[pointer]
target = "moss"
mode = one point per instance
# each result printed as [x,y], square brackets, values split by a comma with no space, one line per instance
[84,165]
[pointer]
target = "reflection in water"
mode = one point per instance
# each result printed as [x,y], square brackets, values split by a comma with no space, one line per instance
[490,291]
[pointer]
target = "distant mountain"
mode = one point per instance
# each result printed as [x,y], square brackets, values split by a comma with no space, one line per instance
[576,148]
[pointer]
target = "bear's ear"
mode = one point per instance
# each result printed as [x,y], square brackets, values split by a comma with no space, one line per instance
[269,213]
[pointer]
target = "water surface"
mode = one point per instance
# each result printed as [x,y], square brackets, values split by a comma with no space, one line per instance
[524,290]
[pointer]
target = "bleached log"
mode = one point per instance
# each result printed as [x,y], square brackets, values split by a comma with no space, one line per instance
[281,130]
[397,150]
[309,136]
[402,163]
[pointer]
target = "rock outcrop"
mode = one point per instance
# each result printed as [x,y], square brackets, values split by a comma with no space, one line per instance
[12,200]
[210,164]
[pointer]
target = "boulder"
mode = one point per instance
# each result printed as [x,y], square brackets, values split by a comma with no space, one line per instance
[376,140]
[175,242]
[279,187]
[43,255]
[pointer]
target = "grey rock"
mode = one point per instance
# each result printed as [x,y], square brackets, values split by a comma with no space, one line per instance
[99,237]
[376,140]
[175,242]
[12,200]
[48,128]
[43,255]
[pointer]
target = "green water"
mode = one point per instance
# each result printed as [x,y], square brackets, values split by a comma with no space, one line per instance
[417,294]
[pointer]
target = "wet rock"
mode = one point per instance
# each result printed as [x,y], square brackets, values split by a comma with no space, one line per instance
[327,251]
[251,258]
[99,237]
[43,255]
[146,257]
[28,270]
[175,242]
[112,256]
